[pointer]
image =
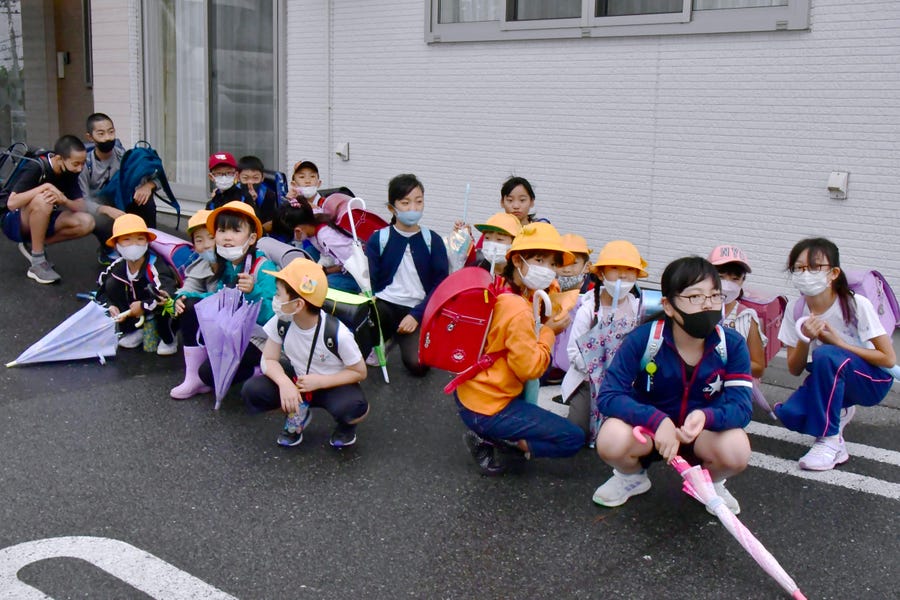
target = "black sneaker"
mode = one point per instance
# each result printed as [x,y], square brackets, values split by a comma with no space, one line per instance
[343,436]
[289,439]
[485,454]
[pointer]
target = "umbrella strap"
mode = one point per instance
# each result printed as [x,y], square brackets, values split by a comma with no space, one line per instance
[312,347]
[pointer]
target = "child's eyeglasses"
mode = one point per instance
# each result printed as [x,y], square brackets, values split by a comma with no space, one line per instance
[700,299]
[810,268]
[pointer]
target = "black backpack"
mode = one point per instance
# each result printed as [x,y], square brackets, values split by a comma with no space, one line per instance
[329,332]
[12,163]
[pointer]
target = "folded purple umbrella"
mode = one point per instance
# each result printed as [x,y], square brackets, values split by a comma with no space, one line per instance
[226,321]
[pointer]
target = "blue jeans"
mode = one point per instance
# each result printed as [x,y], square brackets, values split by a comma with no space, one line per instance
[837,379]
[547,435]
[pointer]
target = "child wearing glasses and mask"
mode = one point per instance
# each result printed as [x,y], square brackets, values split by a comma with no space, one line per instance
[693,394]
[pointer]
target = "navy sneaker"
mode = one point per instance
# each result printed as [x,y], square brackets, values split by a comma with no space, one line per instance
[485,454]
[343,436]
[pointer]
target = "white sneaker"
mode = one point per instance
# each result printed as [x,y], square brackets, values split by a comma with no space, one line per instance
[165,349]
[847,415]
[132,340]
[729,500]
[825,454]
[620,487]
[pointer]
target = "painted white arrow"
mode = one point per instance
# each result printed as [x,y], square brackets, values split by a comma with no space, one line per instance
[139,569]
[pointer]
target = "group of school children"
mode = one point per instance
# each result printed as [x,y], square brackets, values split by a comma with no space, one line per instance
[686,376]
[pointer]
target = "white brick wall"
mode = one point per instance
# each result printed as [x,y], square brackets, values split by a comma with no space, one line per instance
[674,142]
[116,40]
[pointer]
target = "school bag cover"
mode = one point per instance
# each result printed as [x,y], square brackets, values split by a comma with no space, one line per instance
[456,322]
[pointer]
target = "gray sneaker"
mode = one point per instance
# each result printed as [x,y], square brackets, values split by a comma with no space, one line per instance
[25,250]
[43,273]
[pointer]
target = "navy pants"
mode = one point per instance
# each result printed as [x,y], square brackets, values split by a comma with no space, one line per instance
[837,379]
[548,435]
[345,402]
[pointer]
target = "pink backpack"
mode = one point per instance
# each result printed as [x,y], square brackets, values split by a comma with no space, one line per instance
[770,310]
[176,252]
[873,286]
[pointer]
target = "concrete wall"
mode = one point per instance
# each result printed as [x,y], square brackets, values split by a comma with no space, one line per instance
[39,60]
[75,98]
[676,143]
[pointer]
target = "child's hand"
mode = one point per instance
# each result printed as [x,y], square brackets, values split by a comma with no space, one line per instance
[408,324]
[693,425]
[136,308]
[252,191]
[290,397]
[828,336]
[666,440]
[559,323]
[143,192]
[179,305]
[812,327]
[311,382]
[459,224]
[245,282]
[114,311]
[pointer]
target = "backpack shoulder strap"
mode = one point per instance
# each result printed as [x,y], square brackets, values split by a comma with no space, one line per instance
[722,347]
[654,343]
[383,234]
[426,235]
[283,326]
[331,333]
[799,305]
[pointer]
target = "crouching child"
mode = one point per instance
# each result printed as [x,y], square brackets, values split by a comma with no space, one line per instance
[326,362]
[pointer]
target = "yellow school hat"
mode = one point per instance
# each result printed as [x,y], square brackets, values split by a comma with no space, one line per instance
[198,220]
[127,224]
[501,223]
[306,278]
[576,244]
[540,236]
[621,253]
[237,207]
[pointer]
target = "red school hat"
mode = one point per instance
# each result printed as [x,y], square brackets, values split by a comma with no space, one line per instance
[222,158]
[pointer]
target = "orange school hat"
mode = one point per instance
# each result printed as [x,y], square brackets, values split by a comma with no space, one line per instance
[237,207]
[127,224]
[621,253]
[501,223]
[306,278]
[198,220]
[540,236]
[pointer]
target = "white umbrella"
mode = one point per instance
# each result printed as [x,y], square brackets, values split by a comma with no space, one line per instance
[89,333]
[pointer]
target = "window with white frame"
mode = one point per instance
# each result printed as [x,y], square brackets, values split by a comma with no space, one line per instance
[477,20]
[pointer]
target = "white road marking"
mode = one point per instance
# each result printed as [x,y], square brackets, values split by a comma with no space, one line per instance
[853,481]
[882,455]
[139,569]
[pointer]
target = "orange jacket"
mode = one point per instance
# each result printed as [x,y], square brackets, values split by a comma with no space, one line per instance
[526,357]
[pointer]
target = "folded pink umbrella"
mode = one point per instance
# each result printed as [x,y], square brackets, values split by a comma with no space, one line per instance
[698,483]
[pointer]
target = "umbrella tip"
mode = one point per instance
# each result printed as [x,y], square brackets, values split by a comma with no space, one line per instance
[11,364]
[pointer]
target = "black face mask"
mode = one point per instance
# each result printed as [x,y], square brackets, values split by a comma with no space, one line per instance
[106,146]
[701,324]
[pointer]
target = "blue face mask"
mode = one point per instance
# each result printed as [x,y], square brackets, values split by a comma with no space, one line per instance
[208,255]
[409,217]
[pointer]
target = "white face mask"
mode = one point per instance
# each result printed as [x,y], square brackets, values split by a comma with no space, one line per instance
[494,252]
[133,252]
[233,253]
[731,289]
[308,191]
[811,284]
[223,182]
[537,277]
[624,287]
[278,308]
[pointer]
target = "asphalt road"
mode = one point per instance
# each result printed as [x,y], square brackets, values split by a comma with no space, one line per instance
[102,451]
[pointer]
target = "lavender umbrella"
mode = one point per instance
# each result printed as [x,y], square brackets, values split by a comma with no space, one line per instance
[226,321]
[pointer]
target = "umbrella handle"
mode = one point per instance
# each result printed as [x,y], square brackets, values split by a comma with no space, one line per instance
[350,211]
[641,433]
[124,315]
[799,328]
[540,296]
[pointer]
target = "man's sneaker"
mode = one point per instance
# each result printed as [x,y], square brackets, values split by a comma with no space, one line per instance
[620,487]
[485,454]
[132,340]
[847,415]
[825,454]
[729,500]
[343,436]
[43,273]
[165,349]
[106,256]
